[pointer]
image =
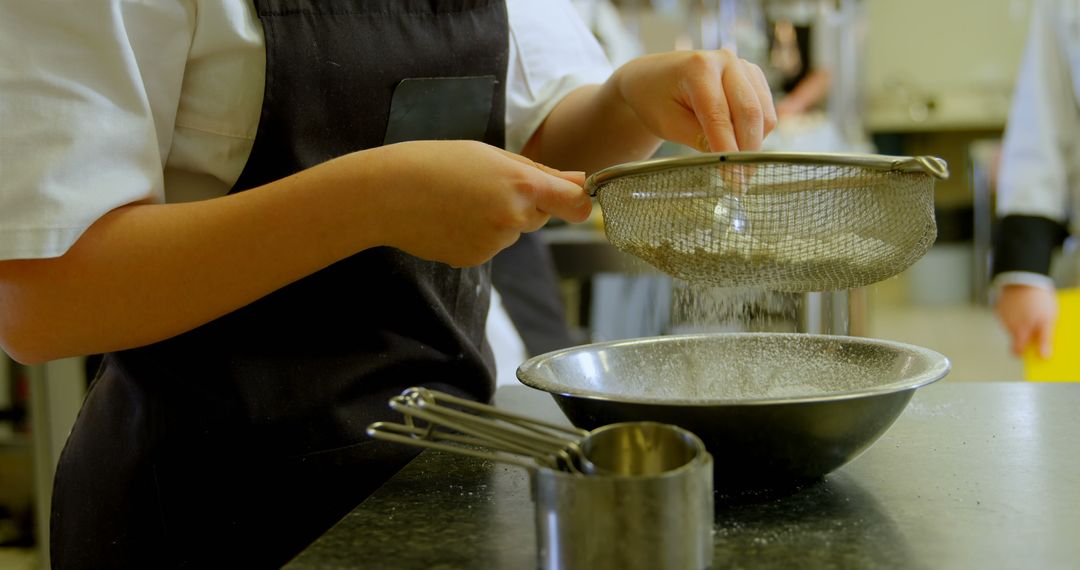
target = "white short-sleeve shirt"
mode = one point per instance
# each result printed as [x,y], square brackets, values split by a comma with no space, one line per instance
[110,102]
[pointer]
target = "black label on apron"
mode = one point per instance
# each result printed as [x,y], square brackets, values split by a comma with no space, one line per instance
[440,108]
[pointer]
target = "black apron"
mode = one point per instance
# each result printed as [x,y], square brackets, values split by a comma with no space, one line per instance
[237,443]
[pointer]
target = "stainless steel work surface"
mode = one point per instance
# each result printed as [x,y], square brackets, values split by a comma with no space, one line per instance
[972,475]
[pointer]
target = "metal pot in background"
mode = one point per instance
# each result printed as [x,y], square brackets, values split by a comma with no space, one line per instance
[611,295]
[704,310]
[834,312]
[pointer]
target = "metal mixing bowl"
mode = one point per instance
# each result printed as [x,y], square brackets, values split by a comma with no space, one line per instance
[770,407]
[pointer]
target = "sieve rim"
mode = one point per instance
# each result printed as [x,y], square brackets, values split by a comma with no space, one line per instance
[931,165]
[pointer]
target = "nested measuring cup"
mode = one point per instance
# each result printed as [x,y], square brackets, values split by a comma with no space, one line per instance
[634,495]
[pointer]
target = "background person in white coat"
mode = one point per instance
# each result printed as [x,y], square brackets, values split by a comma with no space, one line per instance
[1039,184]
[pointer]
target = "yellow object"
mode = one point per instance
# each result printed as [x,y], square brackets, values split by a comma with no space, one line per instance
[1064,362]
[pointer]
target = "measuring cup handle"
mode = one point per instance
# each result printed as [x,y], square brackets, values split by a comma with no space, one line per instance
[399,433]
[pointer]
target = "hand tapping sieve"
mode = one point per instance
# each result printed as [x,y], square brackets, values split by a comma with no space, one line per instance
[793,222]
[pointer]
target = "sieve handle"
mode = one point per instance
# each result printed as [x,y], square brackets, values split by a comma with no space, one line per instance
[930,164]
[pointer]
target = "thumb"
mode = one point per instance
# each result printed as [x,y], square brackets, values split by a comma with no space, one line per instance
[577,177]
[558,193]
[563,197]
[1020,337]
[574,176]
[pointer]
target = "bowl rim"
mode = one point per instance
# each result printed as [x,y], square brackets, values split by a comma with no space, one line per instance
[938,367]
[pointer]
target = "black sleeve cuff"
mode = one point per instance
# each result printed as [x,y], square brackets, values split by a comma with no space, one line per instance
[1025,243]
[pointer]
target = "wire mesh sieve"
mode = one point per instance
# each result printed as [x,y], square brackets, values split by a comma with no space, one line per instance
[792,222]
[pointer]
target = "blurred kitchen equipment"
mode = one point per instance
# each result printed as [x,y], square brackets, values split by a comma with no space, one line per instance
[635,495]
[793,222]
[776,407]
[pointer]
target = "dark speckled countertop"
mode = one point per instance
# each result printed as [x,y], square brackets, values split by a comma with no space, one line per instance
[972,475]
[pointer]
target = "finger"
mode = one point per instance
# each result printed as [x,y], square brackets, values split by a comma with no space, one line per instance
[1045,338]
[684,127]
[764,95]
[1021,338]
[562,199]
[710,107]
[575,176]
[575,205]
[558,193]
[746,113]
[531,218]
[538,220]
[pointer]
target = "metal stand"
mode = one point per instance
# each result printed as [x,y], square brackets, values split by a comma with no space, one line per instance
[981,153]
[834,312]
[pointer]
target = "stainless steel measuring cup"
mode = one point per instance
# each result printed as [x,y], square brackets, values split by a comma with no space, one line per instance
[627,496]
[649,506]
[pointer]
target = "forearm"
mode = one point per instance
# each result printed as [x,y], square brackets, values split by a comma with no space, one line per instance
[591,128]
[143,273]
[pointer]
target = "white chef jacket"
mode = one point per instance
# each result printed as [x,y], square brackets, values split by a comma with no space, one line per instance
[109,102]
[1040,163]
